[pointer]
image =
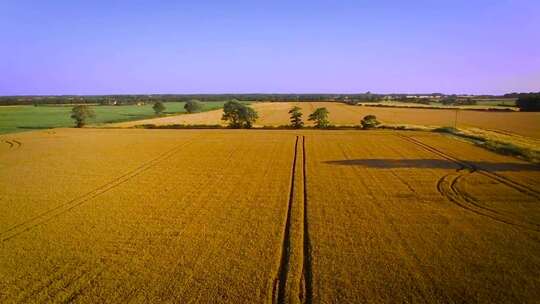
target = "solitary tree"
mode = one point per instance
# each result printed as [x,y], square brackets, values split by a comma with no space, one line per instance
[238,115]
[193,106]
[80,114]
[320,117]
[296,117]
[369,121]
[158,107]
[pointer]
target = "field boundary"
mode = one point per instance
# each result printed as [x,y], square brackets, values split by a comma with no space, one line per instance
[48,215]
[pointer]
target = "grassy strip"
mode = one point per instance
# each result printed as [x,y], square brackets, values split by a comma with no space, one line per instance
[21,118]
[504,147]
[498,146]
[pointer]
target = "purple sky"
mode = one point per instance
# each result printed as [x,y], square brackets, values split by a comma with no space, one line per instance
[104,47]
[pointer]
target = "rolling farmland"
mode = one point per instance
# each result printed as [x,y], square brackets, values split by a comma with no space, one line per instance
[275,114]
[19,118]
[234,216]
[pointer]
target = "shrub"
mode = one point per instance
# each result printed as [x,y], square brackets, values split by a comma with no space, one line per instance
[80,114]
[193,106]
[158,107]
[369,122]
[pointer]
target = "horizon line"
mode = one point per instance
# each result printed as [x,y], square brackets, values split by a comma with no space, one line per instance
[259,93]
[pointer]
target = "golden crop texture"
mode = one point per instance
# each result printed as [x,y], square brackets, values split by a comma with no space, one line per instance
[276,114]
[261,216]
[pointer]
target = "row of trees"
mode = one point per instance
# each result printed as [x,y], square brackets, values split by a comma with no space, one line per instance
[320,119]
[120,100]
[152,98]
[239,115]
[191,106]
[82,113]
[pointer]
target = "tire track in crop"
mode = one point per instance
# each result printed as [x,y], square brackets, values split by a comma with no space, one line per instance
[307,272]
[17,143]
[280,282]
[492,175]
[448,187]
[9,143]
[293,281]
[70,205]
[12,143]
[495,214]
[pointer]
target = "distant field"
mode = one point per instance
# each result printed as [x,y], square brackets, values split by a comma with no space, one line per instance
[21,118]
[501,104]
[264,216]
[275,114]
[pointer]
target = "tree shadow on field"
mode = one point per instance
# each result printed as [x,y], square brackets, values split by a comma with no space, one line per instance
[385,163]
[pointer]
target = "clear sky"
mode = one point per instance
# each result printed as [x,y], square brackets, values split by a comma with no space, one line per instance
[303,46]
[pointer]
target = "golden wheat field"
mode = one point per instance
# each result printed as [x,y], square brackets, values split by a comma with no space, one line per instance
[275,114]
[264,216]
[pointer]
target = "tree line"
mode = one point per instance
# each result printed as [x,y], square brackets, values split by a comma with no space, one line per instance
[152,98]
[82,113]
[237,115]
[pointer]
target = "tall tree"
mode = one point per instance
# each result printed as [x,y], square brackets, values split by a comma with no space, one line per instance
[80,114]
[320,117]
[238,115]
[296,117]
[158,107]
[193,106]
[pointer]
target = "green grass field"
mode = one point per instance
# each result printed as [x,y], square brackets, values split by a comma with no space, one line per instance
[21,118]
